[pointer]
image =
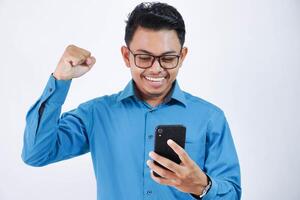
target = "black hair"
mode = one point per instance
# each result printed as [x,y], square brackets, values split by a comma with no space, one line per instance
[155,16]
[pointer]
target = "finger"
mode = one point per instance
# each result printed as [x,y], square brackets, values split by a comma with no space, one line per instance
[162,172]
[86,53]
[72,49]
[174,167]
[163,181]
[76,60]
[90,61]
[184,157]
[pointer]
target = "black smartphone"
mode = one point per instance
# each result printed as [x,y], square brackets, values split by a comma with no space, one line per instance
[162,134]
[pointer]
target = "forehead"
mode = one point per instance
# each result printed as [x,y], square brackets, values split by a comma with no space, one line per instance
[155,41]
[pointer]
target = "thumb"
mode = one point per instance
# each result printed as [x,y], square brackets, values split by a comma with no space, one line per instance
[90,61]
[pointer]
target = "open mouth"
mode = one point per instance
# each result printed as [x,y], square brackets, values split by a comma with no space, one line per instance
[155,79]
[155,82]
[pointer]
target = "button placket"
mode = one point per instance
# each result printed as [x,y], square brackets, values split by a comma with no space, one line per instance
[148,187]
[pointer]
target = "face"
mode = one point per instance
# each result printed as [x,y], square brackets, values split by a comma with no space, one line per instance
[154,82]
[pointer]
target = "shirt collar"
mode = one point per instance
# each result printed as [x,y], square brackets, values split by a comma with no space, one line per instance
[127,92]
[176,93]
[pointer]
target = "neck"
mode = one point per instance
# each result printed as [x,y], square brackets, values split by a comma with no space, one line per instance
[153,100]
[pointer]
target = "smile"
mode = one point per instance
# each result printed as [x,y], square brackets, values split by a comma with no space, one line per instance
[155,79]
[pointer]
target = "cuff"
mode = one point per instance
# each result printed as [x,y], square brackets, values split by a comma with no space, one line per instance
[56,90]
[211,194]
[194,196]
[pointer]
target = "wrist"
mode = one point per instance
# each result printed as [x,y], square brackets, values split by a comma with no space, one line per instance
[59,77]
[202,185]
[207,187]
[56,76]
[203,188]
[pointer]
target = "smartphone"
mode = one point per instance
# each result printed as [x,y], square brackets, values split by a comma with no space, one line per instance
[162,134]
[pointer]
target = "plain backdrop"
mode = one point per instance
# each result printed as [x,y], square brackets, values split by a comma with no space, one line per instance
[243,57]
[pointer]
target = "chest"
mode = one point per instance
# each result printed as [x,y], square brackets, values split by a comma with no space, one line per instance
[130,132]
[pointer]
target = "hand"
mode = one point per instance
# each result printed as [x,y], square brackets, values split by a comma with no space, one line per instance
[186,176]
[74,63]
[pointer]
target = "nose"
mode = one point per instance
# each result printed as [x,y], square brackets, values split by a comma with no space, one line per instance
[156,68]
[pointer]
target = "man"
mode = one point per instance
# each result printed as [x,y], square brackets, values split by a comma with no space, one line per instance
[118,129]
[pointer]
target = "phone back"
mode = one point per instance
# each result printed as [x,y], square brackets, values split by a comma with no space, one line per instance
[165,132]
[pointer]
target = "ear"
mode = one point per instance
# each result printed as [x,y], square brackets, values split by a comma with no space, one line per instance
[183,54]
[125,54]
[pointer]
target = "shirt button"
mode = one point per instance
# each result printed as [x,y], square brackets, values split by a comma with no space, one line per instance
[150,137]
[50,89]
[149,192]
[152,110]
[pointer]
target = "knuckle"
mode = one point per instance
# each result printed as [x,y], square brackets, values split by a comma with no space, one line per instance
[177,182]
[87,53]
[80,56]
[162,173]
[71,46]
[182,153]
[158,159]
[183,175]
[169,165]
[177,148]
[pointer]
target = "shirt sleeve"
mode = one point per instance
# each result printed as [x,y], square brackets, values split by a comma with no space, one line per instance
[221,163]
[49,137]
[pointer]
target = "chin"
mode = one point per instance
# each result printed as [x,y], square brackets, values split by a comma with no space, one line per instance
[155,93]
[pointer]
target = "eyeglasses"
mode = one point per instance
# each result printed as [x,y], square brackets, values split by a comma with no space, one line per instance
[144,61]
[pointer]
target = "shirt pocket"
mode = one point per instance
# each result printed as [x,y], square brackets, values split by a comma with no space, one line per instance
[196,151]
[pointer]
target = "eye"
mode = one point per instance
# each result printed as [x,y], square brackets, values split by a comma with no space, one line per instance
[144,57]
[168,59]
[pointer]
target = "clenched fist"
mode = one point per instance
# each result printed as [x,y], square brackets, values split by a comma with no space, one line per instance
[74,63]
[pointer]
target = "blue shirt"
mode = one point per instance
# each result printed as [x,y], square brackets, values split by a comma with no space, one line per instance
[118,132]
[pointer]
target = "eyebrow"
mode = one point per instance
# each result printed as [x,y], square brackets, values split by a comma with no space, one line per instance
[148,52]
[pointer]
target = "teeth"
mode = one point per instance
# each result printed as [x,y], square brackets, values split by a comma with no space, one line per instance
[159,79]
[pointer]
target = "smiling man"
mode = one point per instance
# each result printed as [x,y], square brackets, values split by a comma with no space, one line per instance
[157,56]
[118,129]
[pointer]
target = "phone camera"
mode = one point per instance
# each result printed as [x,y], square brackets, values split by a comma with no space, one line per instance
[160,130]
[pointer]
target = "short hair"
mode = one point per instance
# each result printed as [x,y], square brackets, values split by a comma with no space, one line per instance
[155,16]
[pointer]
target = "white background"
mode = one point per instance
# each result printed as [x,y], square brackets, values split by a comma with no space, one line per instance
[243,57]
